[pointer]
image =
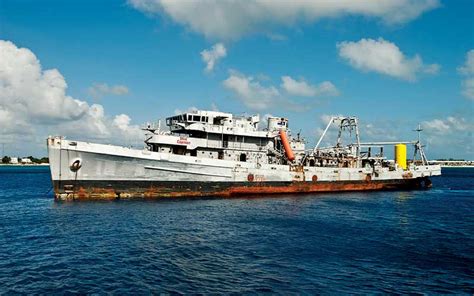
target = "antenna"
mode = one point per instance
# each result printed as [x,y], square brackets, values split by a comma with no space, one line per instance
[419,147]
[419,130]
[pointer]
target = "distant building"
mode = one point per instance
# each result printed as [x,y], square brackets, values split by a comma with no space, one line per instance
[14,160]
[26,161]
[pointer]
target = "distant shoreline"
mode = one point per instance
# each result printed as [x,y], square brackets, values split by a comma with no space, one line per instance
[457,166]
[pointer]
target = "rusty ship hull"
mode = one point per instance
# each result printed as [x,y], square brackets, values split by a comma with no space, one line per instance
[106,190]
[83,171]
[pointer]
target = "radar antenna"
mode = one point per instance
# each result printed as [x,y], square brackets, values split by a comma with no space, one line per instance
[419,147]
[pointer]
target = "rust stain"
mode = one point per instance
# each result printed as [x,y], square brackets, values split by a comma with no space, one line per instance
[250,178]
[152,192]
[296,168]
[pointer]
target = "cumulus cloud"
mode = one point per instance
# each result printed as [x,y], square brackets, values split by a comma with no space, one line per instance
[228,19]
[452,135]
[304,89]
[383,57]
[213,55]
[252,94]
[467,70]
[468,67]
[447,125]
[98,90]
[34,100]
[258,94]
[468,88]
[26,89]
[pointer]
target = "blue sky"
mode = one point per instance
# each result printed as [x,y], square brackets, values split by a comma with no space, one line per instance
[152,49]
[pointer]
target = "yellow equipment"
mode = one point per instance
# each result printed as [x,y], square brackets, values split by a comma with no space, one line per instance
[401,155]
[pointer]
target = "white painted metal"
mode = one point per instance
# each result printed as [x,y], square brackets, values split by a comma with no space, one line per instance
[107,162]
[213,146]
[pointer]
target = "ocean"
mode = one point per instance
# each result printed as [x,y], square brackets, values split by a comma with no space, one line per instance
[339,243]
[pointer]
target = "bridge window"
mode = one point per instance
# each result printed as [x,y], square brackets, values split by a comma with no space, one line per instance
[243,157]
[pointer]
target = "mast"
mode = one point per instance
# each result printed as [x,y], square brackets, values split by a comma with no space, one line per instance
[419,147]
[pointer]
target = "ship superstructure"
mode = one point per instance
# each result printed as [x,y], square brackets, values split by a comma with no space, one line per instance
[219,135]
[209,153]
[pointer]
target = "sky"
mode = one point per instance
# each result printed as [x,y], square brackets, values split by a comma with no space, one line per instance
[98,70]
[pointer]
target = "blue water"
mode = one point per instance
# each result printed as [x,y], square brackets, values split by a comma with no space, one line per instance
[359,243]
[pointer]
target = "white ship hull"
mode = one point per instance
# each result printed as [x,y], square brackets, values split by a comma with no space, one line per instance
[81,170]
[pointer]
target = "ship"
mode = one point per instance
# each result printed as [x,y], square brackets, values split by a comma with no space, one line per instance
[204,154]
